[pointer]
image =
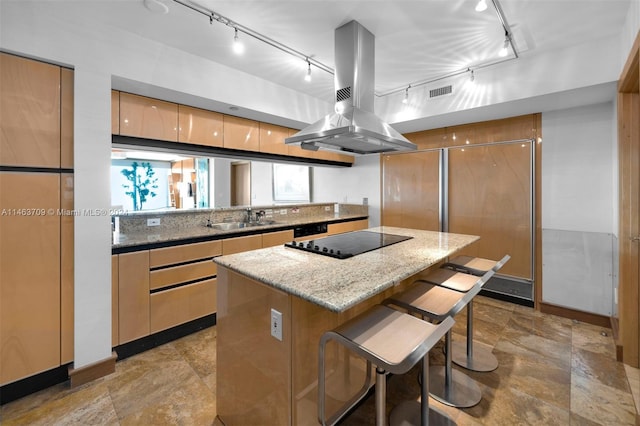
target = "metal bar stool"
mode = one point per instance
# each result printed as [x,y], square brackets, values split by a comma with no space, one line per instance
[463,353]
[392,341]
[447,385]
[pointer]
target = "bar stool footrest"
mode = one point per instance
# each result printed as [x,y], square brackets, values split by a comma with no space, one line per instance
[407,413]
[464,392]
[482,361]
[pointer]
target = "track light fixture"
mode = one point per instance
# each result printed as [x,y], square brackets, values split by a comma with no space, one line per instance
[406,95]
[307,77]
[505,48]
[481,6]
[238,46]
[472,77]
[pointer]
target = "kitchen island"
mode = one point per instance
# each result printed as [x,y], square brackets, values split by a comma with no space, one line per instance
[264,380]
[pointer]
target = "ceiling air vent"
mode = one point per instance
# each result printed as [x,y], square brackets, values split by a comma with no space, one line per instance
[440,91]
[343,94]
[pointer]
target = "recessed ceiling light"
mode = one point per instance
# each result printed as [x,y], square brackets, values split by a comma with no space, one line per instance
[156,6]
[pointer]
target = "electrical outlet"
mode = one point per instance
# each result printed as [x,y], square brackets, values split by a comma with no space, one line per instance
[276,324]
[153,222]
[327,208]
[365,201]
[283,211]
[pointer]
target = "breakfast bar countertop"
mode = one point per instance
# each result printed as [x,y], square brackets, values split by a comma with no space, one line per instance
[339,284]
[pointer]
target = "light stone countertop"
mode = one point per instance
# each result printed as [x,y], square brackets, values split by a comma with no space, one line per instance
[152,236]
[339,284]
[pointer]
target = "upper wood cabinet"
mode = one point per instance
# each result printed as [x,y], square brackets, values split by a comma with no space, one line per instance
[148,118]
[240,133]
[115,112]
[272,139]
[66,118]
[199,126]
[30,118]
[296,151]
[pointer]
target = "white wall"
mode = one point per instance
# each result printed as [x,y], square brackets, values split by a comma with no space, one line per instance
[579,207]
[351,185]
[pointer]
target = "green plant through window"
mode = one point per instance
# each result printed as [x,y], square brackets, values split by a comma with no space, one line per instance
[142,180]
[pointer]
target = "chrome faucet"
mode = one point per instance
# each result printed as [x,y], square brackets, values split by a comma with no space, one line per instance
[249,215]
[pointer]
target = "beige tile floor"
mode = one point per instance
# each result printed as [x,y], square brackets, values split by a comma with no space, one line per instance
[553,371]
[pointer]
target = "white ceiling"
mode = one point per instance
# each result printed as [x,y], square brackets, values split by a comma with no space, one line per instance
[416,41]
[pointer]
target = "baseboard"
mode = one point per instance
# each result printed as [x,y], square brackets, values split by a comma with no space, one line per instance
[16,390]
[88,373]
[588,317]
[615,330]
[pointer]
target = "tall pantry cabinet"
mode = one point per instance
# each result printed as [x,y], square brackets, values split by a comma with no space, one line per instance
[36,236]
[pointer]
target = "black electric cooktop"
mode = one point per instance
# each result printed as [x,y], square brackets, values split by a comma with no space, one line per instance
[343,246]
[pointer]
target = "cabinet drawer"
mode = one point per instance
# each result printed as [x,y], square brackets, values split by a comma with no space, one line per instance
[179,305]
[184,253]
[240,244]
[277,238]
[181,274]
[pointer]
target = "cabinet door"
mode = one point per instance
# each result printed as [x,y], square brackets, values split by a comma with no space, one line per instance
[133,295]
[66,118]
[182,304]
[29,274]
[240,133]
[114,301]
[240,244]
[411,190]
[148,118]
[66,269]
[115,112]
[339,228]
[272,139]
[199,126]
[30,118]
[277,238]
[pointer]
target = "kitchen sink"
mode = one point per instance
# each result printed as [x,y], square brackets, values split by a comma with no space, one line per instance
[228,226]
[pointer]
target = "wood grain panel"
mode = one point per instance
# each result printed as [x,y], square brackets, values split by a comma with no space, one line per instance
[30,118]
[490,196]
[253,369]
[272,139]
[66,268]
[179,305]
[180,274]
[339,228]
[29,274]
[411,190]
[200,127]
[133,295]
[240,133]
[66,118]
[115,112]
[272,239]
[114,301]
[148,118]
[240,244]
[428,139]
[629,273]
[184,253]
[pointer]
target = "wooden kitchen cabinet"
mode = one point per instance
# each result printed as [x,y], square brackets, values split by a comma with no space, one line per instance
[182,304]
[200,127]
[114,301]
[296,151]
[29,274]
[184,253]
[30,118]
[115,112]
[148,118]
[66,269]
[272,239]
[339,228]
[66,118]
[272,139]
[241,133]
[240,244]
[133,295]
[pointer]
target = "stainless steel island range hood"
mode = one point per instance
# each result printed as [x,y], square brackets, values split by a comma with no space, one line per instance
[353,128]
